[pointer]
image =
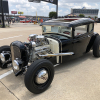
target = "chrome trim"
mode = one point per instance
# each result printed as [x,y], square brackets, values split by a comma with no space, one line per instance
[58,54]
[42,77]
[2,57]
[95,33]
[88,35]
[41,51]
[29,63]
[42,48]
[40,37]
[33,44]
[56,65]
[15,65]
[32,35]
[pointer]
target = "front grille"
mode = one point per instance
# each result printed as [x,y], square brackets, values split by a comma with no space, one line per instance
[15,51]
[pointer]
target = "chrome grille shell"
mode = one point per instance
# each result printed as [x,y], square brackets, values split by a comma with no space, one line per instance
[15,51]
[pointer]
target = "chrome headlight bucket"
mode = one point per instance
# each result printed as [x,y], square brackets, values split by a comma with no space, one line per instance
[16,65]
[2,57]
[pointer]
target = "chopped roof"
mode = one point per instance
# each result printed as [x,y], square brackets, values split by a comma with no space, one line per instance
[74,23]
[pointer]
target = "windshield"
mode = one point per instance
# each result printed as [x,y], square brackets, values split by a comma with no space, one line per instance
[67,31]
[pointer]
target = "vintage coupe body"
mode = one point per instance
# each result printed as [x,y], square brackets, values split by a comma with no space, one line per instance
[61,40]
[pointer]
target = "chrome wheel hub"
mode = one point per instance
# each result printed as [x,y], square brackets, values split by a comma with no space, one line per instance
[2,57]
[42,76]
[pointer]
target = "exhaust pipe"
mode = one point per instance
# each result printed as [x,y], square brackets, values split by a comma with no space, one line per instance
[57,54]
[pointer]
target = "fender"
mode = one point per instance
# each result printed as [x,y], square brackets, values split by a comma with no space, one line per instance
[91,42]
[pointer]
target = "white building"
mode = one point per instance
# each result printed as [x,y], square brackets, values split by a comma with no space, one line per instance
[87,12]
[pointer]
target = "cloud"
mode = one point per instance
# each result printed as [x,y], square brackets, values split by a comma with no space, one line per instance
[44,8]
[53,9]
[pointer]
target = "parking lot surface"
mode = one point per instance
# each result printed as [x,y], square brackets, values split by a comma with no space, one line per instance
[78,79]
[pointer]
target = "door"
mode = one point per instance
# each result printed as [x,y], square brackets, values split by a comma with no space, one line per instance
[81,40]
[67,46]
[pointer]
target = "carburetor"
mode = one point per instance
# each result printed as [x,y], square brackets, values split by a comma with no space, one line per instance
[38,39]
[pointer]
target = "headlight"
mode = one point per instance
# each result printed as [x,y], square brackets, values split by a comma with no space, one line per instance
[16,65]
[2,57]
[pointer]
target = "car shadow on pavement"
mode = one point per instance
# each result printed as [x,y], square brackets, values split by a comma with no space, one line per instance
[64,67]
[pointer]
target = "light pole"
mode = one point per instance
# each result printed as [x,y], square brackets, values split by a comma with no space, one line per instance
[57,10]
[2,14]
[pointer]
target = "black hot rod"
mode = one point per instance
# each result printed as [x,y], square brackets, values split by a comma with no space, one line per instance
[61,40]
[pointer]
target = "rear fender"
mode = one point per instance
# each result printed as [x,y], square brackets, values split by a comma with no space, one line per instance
[91,42]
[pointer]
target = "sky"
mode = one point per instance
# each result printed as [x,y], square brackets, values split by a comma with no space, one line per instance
[43,8]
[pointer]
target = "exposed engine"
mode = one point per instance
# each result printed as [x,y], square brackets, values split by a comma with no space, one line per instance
[40,46]
[24,54]
[40,40]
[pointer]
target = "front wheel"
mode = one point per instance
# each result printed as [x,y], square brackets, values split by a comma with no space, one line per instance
[4,48]
[39,76]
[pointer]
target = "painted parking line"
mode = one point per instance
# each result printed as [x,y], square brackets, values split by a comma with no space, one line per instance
[11,37]
[6,74]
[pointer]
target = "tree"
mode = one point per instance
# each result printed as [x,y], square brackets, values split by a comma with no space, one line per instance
[89,16]
[81,15]
[95,17]
[52,14]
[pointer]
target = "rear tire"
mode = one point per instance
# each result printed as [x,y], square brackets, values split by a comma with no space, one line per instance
[35,81]
[4,48]
[96,47]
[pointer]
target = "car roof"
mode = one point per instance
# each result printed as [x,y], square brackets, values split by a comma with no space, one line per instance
[69,22]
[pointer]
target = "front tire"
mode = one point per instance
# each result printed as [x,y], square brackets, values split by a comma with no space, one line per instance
[39,76]
[96,47]
[4,48]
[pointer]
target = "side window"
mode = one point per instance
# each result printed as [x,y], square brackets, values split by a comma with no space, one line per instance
[66,31]
[80,30]
[90,27]
[46,29]
[54,29]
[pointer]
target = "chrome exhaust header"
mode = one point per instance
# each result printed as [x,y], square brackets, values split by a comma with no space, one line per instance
[57,54]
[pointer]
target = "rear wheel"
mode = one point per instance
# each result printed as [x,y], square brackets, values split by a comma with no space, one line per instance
[96,47]
[4,48]
[39,76]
